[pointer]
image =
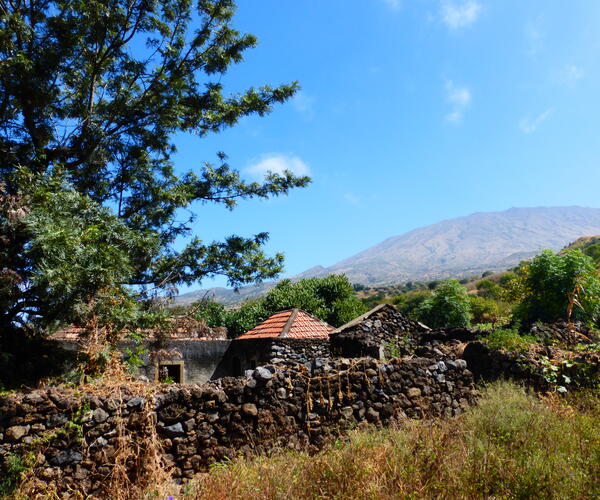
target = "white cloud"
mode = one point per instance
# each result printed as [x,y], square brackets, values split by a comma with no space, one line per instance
[572,74]
[352,198]
[460,99]
[529,125]
[304,104]
[394,4]
[460,15]
[277,163]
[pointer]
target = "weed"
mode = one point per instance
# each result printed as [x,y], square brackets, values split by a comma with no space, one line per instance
[392,350]
[134,357]
[595,347]
[508,339]
[15,466]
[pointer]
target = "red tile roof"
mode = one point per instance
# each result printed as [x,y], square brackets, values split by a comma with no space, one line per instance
[295,324]
[70,333]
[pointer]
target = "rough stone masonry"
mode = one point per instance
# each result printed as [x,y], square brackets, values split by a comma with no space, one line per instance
[72,440]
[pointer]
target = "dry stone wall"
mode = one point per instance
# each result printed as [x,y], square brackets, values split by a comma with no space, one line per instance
[374,333]
[298,351]
[81,442]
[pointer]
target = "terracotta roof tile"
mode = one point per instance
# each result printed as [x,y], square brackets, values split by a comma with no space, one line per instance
[294,323]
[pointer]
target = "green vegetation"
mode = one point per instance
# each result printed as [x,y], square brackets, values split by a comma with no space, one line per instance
[546,288]
[410,302]
[448,306]
[331,299]
[498,449]
[589,245]
[134,357]
[483,310]
[76,254]
[552,286]
[509,339]
[90,204]
[14,468]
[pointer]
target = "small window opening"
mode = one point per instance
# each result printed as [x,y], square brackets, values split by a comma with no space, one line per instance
[170,372]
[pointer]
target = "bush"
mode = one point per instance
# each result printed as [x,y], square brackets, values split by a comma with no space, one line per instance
[330,299]
[211,312]
[250,314]
[483,310]
[509,340]
[14,467]
[409,303]
[543,288]
[488,289]
[448,306]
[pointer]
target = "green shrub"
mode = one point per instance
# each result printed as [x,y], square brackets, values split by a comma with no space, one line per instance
[449,305]
[11,475]
[483,310]
[543,286]
[134,358]
[211,312]
[488,289]
[330,299]
[509,340]
[409,303]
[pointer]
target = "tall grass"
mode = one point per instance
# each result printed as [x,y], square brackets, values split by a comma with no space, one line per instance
[511,445]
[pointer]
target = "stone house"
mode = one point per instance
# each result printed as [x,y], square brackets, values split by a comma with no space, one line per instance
[195,354]
[190,354]
[379,333]
[286,337]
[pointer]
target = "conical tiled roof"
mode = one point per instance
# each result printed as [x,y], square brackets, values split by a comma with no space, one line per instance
[294,324]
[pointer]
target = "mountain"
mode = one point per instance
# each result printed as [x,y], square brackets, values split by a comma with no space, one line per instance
[477,242]
[225,296]
[457,247]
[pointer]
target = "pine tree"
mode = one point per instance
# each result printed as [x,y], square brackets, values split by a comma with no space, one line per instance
[92,94]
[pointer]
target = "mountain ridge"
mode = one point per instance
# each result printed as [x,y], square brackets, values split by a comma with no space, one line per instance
[459,246]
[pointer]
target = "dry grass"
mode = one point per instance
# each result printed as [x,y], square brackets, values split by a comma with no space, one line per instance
[137,464]
[511,446]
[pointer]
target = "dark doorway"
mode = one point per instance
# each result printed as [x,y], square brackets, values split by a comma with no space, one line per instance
[236,368]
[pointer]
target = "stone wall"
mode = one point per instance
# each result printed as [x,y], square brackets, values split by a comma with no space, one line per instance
[73,439]
[375,332]
[542,367]
[302,351]
[247,354]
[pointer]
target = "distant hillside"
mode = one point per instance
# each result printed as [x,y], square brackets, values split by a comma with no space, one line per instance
[589,245]
[456,247]
[478,242]
[225,296]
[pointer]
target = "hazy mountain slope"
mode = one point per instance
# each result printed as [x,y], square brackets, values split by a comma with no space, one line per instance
[226,296]
[455,247]
[479,241]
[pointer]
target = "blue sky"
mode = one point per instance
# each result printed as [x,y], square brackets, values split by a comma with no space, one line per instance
[411,112]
